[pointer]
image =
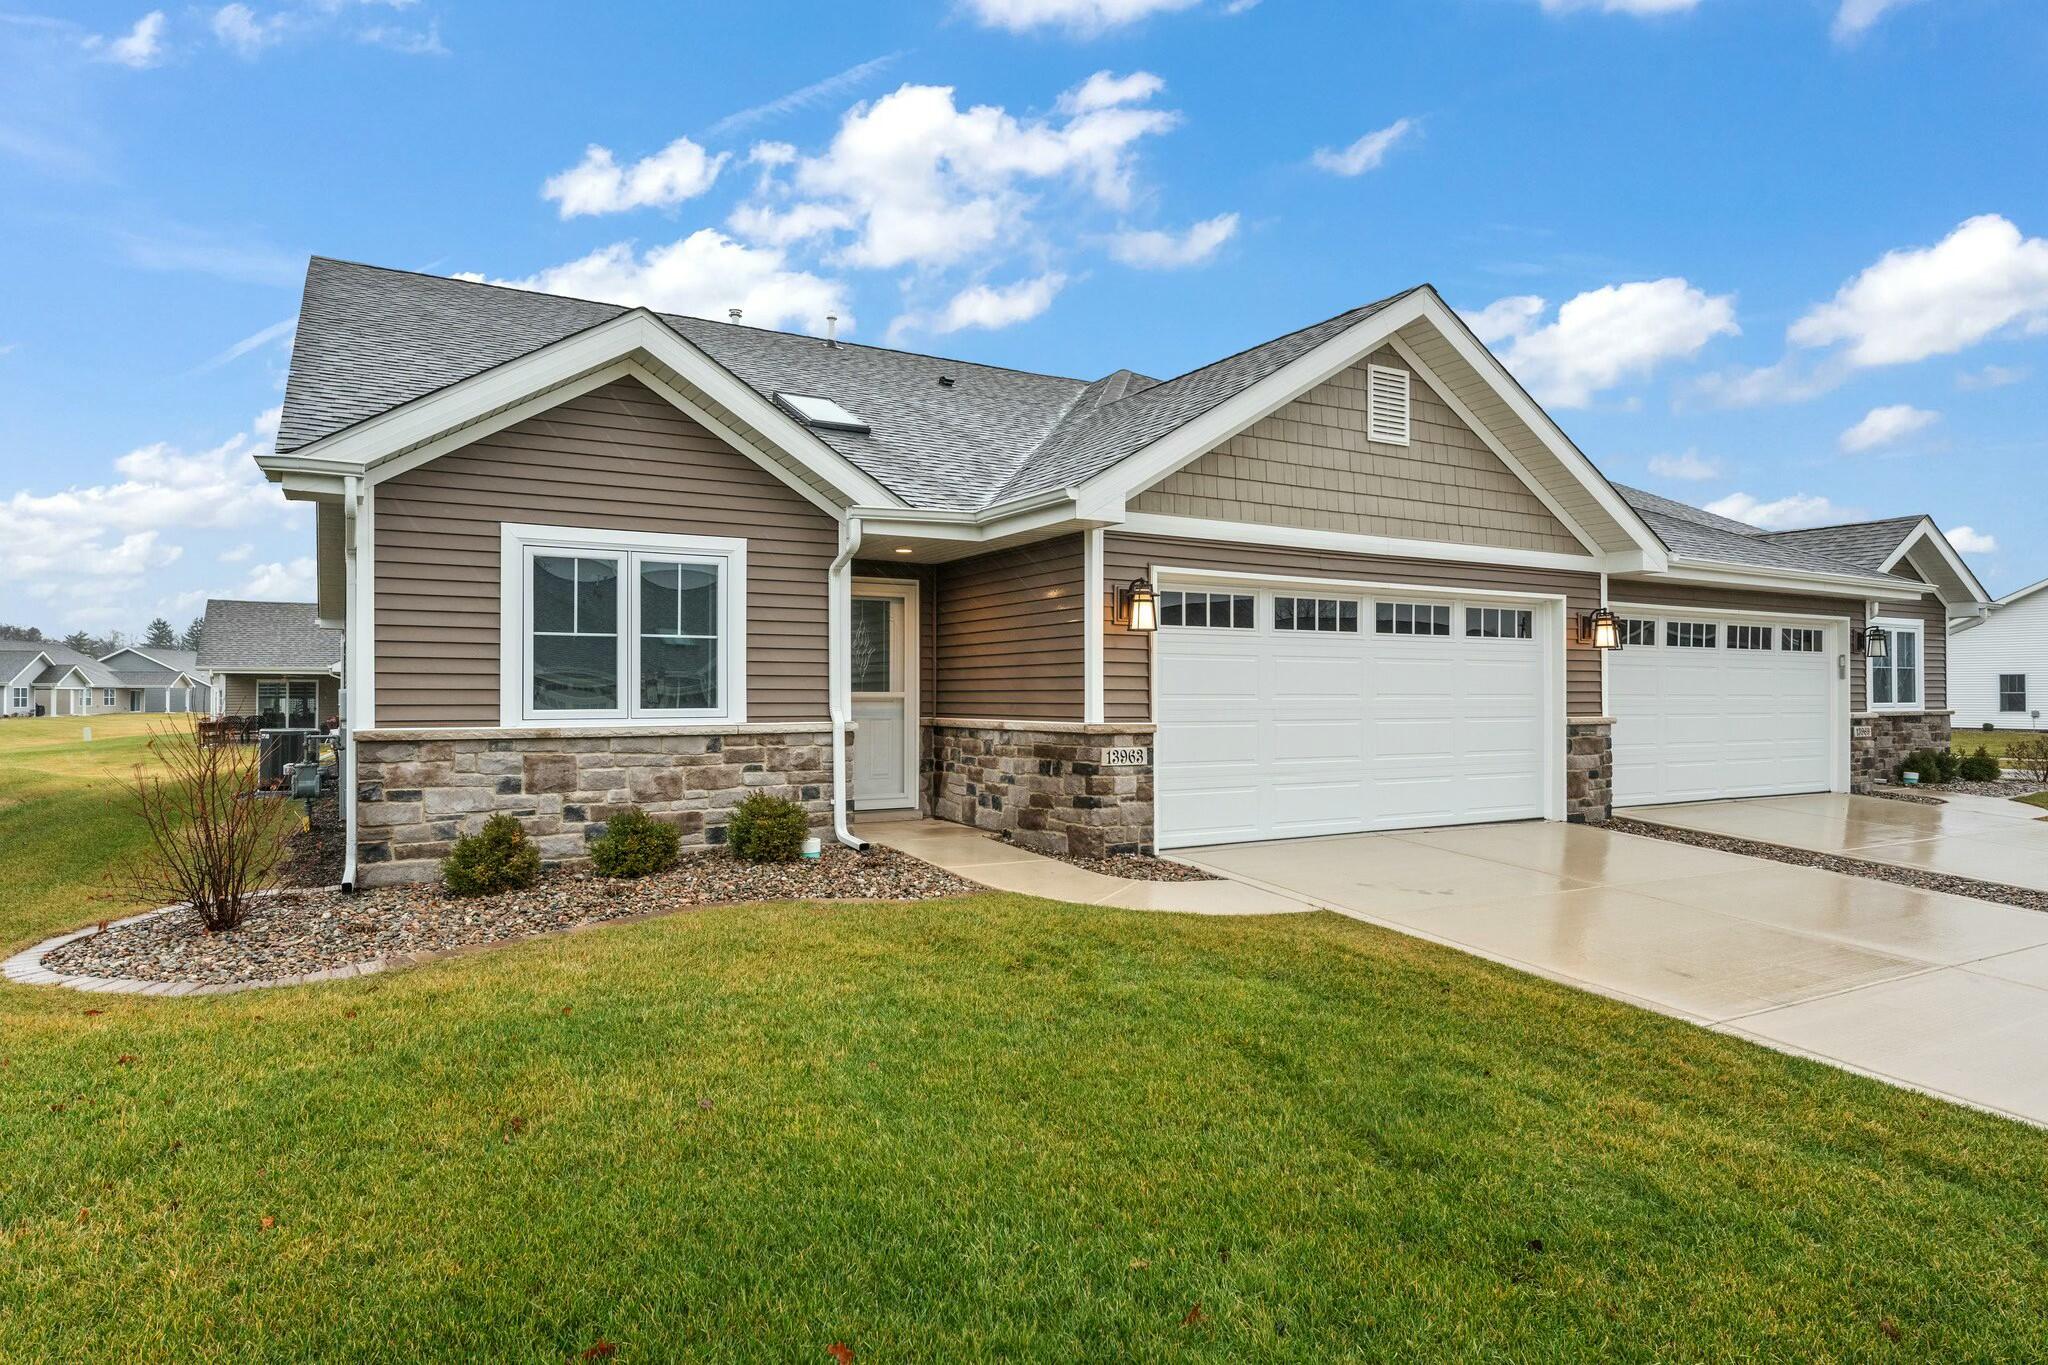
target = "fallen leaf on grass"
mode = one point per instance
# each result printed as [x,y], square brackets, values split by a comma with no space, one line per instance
[703,1101]
[1889,1328]
[90,1013]
[599,1349]
[125,1059]
[84,1215]
[1195,1316]
[267,1222]
[513,1127]
[840,1352]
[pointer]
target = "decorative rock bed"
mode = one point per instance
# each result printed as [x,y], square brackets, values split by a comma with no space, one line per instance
[1136,867]
[2024,898]
[303,935]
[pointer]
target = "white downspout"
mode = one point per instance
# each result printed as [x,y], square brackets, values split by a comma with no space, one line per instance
[351,668]
[838,624]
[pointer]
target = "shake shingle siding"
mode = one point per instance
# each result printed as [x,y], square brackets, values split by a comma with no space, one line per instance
[620,458]
[1310,465]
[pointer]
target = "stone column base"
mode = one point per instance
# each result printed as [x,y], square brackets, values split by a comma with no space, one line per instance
[1880,740]
[1050,784]
[1589,770]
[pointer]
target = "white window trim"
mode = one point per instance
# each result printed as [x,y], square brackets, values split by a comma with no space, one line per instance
[1998,686]
[285,681]
[516,541]
[1897,627]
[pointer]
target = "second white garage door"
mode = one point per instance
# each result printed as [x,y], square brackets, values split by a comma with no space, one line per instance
[1708,707]
[1293,712]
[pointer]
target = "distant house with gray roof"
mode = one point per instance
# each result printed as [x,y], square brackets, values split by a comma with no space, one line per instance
[156,680]
[272,660]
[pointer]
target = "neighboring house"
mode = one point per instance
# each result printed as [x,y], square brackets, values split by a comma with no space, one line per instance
[589,555]
[1998,663]
[157,680]
[272,660]
[73,684]
[20,667]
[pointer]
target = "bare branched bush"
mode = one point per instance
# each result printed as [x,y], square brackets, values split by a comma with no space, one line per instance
[213,842]
[2030,756]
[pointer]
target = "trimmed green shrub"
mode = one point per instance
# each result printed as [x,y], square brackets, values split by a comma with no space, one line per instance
[1979,767]
[498,857]
[767,829]
[635,844]
[1933,765]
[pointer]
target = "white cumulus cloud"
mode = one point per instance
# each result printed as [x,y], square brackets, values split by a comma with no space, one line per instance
[1887,426]
[1983,279]
[140,47]
[1991,377]
[279,581]
[1970,541]
[1504,318]
[1782,514]
[1606,336]
[598,184]
[990,308]
[242,32]
[1856,17]
[1107,90]
[1156,250]
[1687,466]
[1078,16]
[1366,154]
[702,275]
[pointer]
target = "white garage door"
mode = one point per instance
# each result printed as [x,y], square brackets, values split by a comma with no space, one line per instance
[1707,707]
[1293,712]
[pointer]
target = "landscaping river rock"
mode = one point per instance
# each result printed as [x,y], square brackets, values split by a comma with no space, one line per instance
[298,932]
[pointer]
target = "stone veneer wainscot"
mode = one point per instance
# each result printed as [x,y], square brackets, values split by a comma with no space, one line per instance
[422,789]
[1589,770]
[1880,739]
[1045,783]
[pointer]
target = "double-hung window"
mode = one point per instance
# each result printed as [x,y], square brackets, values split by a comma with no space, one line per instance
[1895,678]
[2012,692]
[21,698]
[622,626]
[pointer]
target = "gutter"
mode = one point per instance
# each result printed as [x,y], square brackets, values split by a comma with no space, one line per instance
[838,623]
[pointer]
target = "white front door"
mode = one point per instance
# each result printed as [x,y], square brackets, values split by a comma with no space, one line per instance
[1288,712]
[1708,707]
[884,676]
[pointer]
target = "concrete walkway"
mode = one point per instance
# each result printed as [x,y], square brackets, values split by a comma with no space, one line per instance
[1937,993]
[977,857]
[1969,836]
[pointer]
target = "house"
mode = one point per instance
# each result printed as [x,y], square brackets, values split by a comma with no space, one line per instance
[20,666]
[1998,663]
[1350,578]
[68,683]
[274,661]
[157,680]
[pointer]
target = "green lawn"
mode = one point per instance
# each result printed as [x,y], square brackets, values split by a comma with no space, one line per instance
[1994,742]
[2036,799]
[949,1132]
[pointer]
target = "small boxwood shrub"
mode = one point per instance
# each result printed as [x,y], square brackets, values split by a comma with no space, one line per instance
[635,844]
[1933,765]
[498,857]
[1979,767]
[767,829]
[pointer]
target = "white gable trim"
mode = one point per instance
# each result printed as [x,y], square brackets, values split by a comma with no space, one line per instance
[1927,533]
[29,670]
[1103,496]
[466,410]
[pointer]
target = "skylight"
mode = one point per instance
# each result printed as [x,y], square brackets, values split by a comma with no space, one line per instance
[822,413]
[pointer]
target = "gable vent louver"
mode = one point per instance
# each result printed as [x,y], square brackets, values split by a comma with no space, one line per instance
[1387,418]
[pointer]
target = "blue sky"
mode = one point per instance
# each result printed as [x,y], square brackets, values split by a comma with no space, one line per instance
[1778,256]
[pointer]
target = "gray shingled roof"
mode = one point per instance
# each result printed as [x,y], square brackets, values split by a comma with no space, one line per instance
[1865,543]
[241,637]
[1695,533]
[63,657]
[15,659]
[371,339]
[149,666]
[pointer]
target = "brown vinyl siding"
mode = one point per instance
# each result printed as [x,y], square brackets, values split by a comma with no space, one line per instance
[1704,598]
[239,697]
[1309,465]
[1126,657]
[620,458]
[1009,634]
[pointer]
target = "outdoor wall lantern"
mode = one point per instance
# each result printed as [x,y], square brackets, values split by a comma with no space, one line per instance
[1601,629]
[1138,606]
[1876,643]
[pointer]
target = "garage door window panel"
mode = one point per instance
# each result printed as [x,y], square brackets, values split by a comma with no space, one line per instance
[1412,618]
[1639,634]
[1208,610]
[1691,634]
[1752,638]
[1802,640]
[1333,615]
[1499,623]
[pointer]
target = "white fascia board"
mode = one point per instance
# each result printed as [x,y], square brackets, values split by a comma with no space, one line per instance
[306,485]
[1684,570]
[1344,542]
[2021,594]
[368,443]
[1927,533]
[1034,514]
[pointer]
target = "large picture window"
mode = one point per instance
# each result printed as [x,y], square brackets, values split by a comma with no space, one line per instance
[1895,679]
[288,703]
[623,625]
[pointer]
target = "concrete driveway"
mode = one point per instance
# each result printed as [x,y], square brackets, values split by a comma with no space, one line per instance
[1934,992]
[1968,836]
